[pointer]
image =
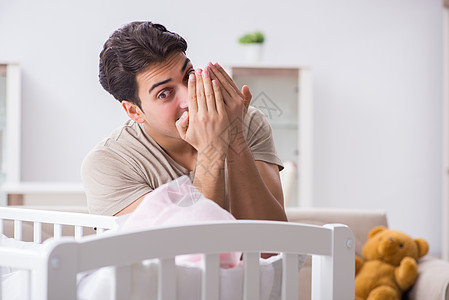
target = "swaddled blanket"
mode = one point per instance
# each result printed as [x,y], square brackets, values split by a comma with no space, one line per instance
[178,203]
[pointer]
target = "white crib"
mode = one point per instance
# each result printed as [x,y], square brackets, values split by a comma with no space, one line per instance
[53,275]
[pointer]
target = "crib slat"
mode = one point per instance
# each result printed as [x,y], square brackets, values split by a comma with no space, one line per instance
[37,236]
[210,287]
[289,276]
[251,279]
[28,283]
[78,232]
[57,231]
[61,267]
[18,230]
[167,279]
[122,282]
[1,227]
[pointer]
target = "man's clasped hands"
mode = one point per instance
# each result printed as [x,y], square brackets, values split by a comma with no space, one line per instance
[216,109]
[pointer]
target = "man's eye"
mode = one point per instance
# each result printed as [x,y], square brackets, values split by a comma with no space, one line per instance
[163,95]
[188,74]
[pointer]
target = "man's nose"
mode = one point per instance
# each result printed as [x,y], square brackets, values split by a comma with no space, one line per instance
[183,101]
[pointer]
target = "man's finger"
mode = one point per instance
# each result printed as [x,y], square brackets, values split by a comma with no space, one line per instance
[209,91]
[219,98]
[200,96]
[191,94]
[227,84]
[227,78]
[224,93]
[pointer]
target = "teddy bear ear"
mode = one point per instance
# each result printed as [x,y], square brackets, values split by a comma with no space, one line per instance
[376,230]
[423,247]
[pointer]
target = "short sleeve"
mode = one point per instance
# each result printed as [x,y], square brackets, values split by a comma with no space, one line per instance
[260,137]
[110,181]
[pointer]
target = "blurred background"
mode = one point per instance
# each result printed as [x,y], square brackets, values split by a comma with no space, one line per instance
[377,88]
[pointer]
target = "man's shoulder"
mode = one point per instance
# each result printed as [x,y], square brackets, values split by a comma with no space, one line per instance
[130,134]
[255,113]
[252,111]
[125,142]
[129,130]
[255,120]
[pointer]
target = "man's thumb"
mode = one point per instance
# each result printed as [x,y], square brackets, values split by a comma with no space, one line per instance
[246,95]
[182,124]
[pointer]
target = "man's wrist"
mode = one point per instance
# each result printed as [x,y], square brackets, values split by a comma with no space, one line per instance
[238,144]
[211,158]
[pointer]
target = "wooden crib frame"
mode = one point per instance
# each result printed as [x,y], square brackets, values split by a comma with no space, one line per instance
[53,274]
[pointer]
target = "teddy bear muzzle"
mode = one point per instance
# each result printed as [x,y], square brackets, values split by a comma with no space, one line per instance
[388,247]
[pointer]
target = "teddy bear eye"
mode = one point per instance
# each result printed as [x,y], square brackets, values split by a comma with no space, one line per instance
[401,245]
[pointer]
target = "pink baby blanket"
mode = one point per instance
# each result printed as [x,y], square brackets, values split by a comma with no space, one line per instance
[179,203]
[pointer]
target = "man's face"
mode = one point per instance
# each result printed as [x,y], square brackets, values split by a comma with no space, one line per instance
[162,90]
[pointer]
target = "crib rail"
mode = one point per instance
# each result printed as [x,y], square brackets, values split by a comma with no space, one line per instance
[53,271]
[31,260]
[333,245]
[57,218]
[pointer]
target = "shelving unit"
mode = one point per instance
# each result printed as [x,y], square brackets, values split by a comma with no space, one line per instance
[284,95]
[13,191]
[2,122]
[10,108]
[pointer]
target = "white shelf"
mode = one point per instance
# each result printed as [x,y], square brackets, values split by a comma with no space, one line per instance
[26,188]
[43,194]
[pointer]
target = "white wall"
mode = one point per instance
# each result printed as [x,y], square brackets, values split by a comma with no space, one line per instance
[378,87]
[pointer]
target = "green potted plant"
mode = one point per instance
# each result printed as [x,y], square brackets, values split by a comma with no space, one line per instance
[252,38]
[253,44]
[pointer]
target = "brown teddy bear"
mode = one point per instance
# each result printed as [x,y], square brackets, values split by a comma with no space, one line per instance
[388,267]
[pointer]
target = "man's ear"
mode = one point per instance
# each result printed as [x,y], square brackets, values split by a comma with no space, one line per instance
[133,111]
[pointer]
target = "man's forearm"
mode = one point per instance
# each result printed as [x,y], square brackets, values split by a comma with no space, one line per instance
[209,175]
[250,198]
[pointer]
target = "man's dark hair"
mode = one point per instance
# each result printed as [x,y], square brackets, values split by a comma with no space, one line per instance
[129,51]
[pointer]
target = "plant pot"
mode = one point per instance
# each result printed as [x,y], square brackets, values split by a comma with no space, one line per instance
[253,52]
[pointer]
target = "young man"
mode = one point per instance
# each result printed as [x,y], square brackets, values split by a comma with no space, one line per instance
[182,122]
